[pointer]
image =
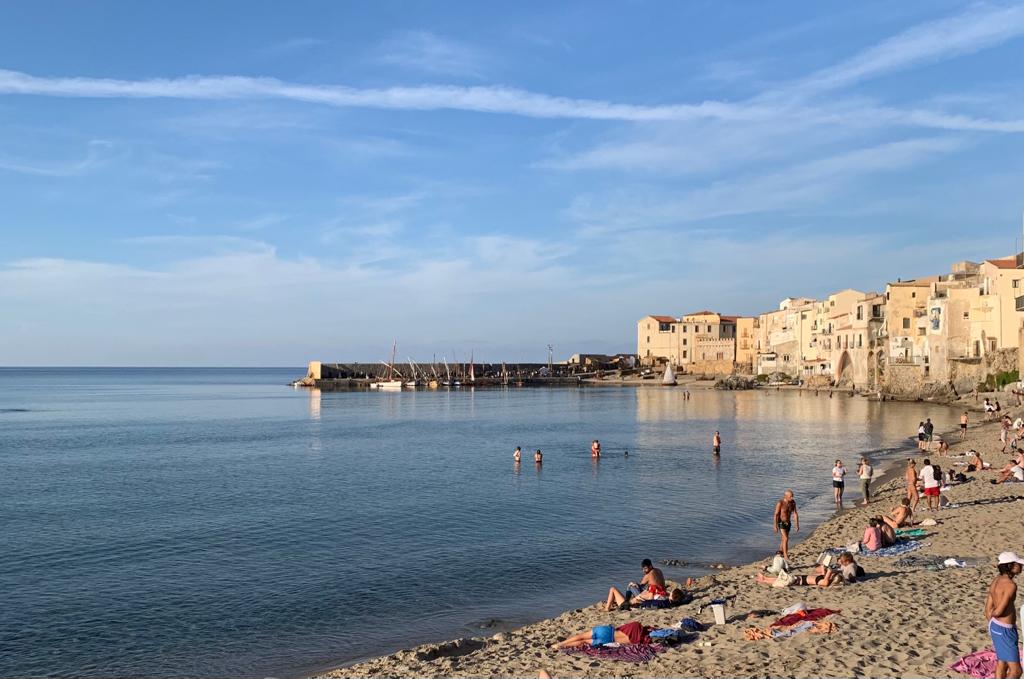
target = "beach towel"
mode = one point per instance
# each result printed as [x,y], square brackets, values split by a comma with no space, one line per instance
[911,532]
[897,549]
[634,653]
[816,627]
[981,665]
[801,616]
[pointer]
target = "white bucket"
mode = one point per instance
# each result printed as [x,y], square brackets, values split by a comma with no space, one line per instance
[719,611]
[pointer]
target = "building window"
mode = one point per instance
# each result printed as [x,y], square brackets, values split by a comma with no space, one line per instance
[860,313]
[673,328]
[684,341]
[920,331]
[913,294]
[709,328]
[906,324]
[663,327]
[684,354]
[876,310]
[721,355]
[1016,282]
[967,315]
[648,339]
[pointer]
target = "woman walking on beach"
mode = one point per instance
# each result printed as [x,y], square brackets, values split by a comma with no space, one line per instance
[838,472]
[864,473]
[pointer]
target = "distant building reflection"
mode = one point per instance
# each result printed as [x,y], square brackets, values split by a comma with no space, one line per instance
[314,404]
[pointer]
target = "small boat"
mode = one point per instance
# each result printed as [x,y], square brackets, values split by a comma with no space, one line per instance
[669,379]
[390,383]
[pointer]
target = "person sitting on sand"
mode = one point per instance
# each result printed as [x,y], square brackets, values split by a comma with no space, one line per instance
[975,463]
[943,446]
[630,633]
[617,599]
[849,570]
[872,538]
[1011,471]
[888,532]
[651,587]
[901,515]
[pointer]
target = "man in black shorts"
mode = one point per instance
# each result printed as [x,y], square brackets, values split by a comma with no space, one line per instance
[783,520]
[716,443]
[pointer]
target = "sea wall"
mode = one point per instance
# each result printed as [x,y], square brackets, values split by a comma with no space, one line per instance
[909,380]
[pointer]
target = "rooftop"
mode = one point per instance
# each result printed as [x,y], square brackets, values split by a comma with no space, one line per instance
[1003,262]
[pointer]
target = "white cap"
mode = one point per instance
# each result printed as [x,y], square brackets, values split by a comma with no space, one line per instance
[1010,557]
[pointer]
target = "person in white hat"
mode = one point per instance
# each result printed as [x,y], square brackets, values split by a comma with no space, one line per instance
[1001,611]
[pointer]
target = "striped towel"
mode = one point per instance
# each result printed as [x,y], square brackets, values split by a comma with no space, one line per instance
[634,653]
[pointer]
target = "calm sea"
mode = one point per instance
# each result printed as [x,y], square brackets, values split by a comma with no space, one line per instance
[216,523]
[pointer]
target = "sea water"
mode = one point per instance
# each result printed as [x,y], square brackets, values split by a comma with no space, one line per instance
[201,522]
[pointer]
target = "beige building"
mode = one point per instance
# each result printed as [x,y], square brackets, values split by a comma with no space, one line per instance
[657,341]
[747,343]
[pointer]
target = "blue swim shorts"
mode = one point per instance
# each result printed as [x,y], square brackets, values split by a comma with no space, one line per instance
[1004,640]
[602,634]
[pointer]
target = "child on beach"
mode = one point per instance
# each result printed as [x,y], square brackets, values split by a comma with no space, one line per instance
[838,472]
[1001,612]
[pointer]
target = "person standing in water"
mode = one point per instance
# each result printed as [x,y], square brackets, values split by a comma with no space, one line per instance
[595,448]
[518,454]
[538,457]
[838,481]
[716,443]
[1001,612]
[784,519]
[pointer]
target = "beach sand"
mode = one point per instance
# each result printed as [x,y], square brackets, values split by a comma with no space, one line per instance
[898,622]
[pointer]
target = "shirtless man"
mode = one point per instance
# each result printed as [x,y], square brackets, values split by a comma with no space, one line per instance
[595,449]
[976,462]
[963,426]
[911,478]
[784,518]
[652,586]
[517,455]
[716,443]
[1001,613]
[901,515]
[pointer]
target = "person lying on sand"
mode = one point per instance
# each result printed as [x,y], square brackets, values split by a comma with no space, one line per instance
[901,515]
[617,599]
[630,633]
[823,576]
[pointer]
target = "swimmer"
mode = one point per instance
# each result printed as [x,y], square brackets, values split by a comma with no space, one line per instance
[538,457]
[716,443]
[518,454]
[595,448]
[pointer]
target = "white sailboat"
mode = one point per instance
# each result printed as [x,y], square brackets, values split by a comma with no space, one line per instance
[669,379]
[390,383]
[411,384]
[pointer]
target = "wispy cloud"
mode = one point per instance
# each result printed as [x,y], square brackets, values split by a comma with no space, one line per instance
[427,52]
[97,154]
[292,46]
[788,188]
[977,28]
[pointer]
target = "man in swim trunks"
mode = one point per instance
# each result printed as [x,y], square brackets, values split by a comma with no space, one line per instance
[1001,612]
[784,518]
[716,443]
[963,426]
[517,454]
[630,633]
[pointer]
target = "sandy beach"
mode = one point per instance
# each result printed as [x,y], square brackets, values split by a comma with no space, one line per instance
[899,621]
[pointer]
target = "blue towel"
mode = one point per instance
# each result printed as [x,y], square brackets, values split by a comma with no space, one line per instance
[691,625]
[896,550]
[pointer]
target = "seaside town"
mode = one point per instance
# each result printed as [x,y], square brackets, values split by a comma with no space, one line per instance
[938,336]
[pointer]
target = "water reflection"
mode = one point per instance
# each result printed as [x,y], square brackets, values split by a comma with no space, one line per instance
[314,404]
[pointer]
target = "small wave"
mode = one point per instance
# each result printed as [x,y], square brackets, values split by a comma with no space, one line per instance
[15,410]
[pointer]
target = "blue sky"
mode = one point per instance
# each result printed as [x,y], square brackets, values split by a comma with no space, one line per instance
[242,183]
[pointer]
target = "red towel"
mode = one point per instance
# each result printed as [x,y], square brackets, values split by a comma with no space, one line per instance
[800,616]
